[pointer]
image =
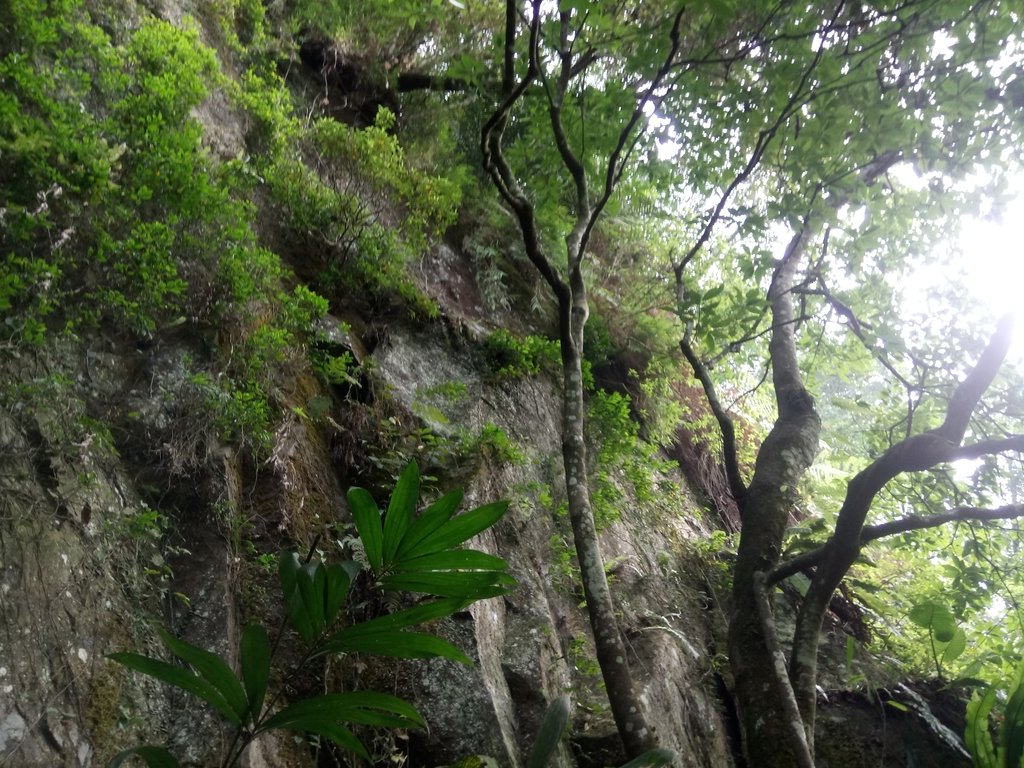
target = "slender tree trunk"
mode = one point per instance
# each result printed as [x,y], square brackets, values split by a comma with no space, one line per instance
[611,649]
[784,456]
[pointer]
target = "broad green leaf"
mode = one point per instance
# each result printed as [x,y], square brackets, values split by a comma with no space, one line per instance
[459,529]
[323,725]
[400,510]
[396,644]
[368,524]
[1013,729]
[471,585]
[409,617]
[299,617]
[211,668]
[453,560]
[154,757]
[550,733]
[351,707]
[976,734]
[180,678]
[312,584]
[955,647]
[337,586]
[254,656]
[935,617]
[655,758]
[432,518]
[288,567]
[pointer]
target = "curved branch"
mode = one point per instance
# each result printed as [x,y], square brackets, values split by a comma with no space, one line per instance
[916,453]
[871,533]
[501,174]
[729,452]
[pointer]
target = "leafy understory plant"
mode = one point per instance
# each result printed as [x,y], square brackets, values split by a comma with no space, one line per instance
[1009,751]
[405,552]
[947,640]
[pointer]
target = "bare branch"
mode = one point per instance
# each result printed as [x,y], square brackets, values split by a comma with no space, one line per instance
[967,395]
[989,447]
[725,425]
[920,522]
[501,174]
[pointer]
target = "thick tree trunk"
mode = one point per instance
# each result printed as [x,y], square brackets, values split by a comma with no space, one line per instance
[611,649]
[784,456]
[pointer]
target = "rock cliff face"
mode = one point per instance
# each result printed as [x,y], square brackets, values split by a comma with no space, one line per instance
[122,509]
[151,485]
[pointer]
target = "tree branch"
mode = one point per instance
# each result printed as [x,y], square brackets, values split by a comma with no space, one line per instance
[737,487]
[501,174]
[871,533]
[913,454]
[764,139]
[508,71]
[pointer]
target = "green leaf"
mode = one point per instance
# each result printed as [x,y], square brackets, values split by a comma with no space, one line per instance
[382,635]
[213,669]
[409,617]
[154,757]
[288,567]
[355,706]
[550,733]
[470,585]
[936,618]
[400,510]
[324,725]
[180,678]
[454,560]
[396,644]
[1013,728]
[955,647]
[368,523]
[459,529]
[432,518]
[300,618]
[976,734]
[254,654]
[312,584]
[338,583]
[654,758]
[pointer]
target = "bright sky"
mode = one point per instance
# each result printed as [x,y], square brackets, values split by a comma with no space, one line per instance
[994,259]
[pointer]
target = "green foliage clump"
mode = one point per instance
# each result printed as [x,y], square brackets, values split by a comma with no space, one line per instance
[114,215]
[494,442]
[103,181]
[1006,701]
[349,194]
[511,356]
[621,458]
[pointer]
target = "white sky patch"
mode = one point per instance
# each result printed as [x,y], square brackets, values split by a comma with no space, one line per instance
[993,253]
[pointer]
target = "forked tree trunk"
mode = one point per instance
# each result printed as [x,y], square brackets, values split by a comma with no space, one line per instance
[784,457]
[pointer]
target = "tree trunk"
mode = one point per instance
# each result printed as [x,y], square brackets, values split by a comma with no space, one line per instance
[611,649]
[784,456]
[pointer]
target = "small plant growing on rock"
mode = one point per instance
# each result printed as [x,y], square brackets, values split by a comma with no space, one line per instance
[403,552]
